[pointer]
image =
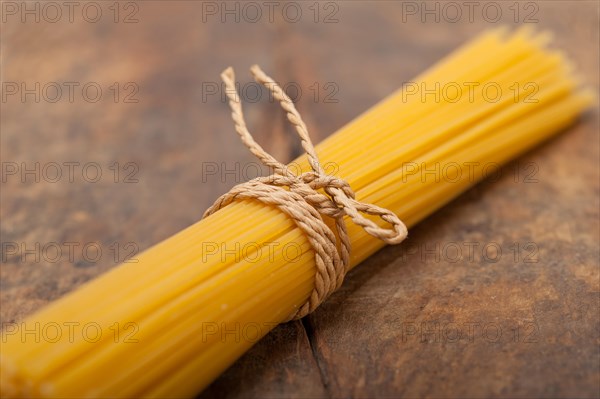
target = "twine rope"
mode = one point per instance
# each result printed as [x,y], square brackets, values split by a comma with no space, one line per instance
[299,197]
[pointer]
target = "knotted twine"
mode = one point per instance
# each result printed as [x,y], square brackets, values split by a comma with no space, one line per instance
[299,197]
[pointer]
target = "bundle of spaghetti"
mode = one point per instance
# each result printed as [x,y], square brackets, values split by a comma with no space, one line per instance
[172,322]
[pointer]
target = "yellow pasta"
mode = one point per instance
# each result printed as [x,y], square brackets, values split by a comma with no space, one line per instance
[171,323]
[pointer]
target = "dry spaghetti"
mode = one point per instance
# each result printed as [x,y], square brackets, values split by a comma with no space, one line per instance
[177,301]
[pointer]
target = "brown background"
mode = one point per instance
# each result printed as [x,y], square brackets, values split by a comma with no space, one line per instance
[392,329]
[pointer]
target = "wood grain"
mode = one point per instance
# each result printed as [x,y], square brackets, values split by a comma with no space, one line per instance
[416,320]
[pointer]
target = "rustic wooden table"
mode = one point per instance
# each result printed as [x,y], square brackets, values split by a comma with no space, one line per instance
[113,115]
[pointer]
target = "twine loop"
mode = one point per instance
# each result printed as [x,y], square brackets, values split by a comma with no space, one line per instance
[299,196]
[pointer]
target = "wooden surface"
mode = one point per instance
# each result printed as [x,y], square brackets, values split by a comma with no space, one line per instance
[412,321]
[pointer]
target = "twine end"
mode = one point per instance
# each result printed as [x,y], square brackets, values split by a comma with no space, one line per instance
[228,74]
[256,71]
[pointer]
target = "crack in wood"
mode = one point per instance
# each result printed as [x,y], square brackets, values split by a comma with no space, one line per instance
[309,330]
